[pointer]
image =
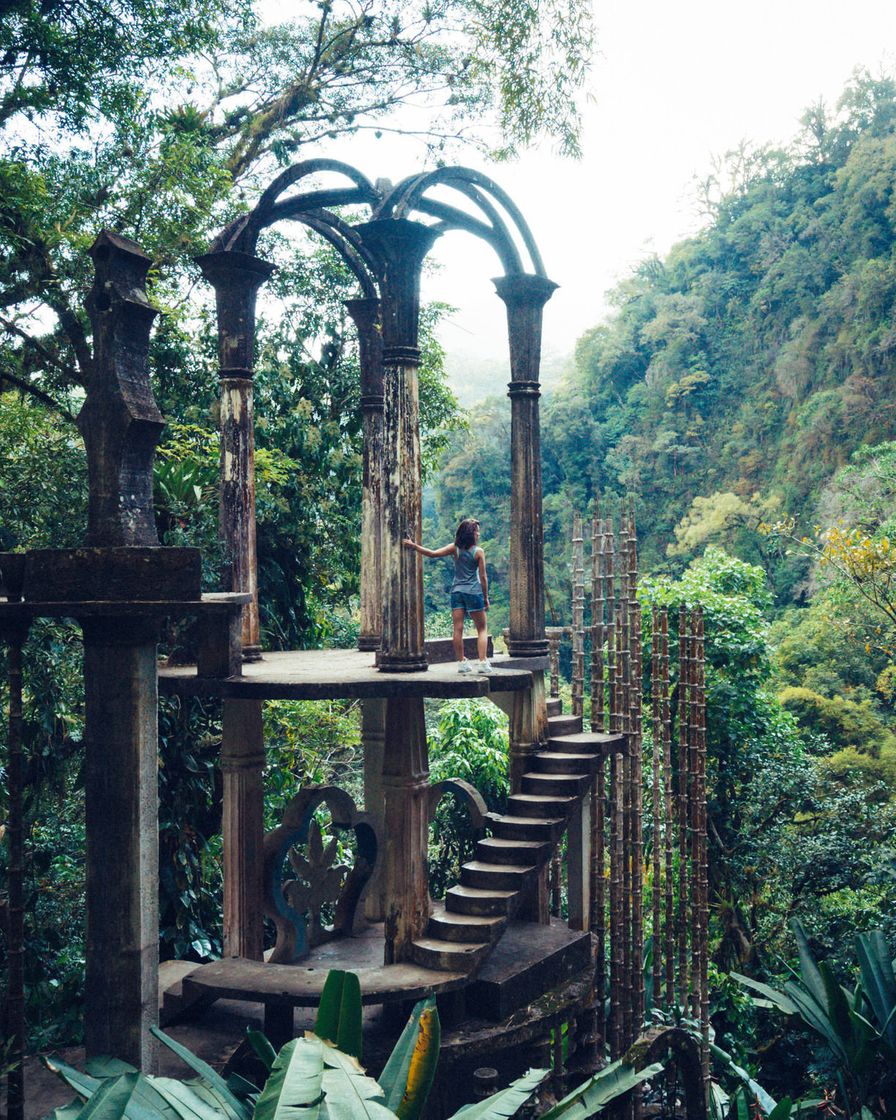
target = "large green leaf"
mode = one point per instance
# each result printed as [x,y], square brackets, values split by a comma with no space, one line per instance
[184,1101]
[349,1094]
[104,1066]
[339,1014]
[766,1102]
[600,1089]
[110,1101]
[262,1047]
[809,973]
[294,1090]
[878,982]
[782,1110]
[231,1106]
[69,1111]
[774,996]
[507,1102]
[408,1074]
[83,1084]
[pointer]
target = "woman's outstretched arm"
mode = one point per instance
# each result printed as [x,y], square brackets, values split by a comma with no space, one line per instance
[446,551]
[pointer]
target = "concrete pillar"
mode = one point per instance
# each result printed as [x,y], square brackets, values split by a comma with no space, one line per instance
[406,843]
[398,248]
[242,828]
[236,278]
[121,796]
[373,741]
[366,316]
[525,297]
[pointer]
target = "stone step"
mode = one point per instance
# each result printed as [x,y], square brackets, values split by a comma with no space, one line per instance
[448,956]
[555,706]
[526,828]
[564,725]
[587,741]
[500,876]
[479,901]
[539,806]
[496,849]
[555,762]
[448,925]
[556,785]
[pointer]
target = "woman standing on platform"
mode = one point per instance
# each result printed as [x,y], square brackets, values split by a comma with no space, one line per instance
[469,590]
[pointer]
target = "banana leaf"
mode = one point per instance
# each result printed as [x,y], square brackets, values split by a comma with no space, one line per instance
[600,1089]
[110,1101]
[339,1014]
[409,1072]
[184,1101]
[506,1102]
[232,1107]
[879,982]
[263,1049]
[767,1103]
[772,996]
[83,1084]
[294,1090]
[349,1094]
[70,1111]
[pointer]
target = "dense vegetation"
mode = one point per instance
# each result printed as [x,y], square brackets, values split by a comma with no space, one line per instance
[741,391]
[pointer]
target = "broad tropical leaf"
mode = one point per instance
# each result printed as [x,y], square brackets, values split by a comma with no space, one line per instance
[507,1102]
[262,1047]
[339,1014]
[349,1094]
[83,1084]
[773,996]
[879,982]
[408,1075]
[110,1101]
[232,1107]
[599,1090]
[69,1111]
[184,1101]
[766,1102]
[294,1089]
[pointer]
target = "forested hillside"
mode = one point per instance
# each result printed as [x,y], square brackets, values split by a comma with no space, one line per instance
[744,368]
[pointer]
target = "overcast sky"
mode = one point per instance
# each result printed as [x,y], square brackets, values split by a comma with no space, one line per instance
[673,84]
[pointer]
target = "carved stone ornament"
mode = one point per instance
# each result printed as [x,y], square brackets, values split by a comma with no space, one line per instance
[301,875]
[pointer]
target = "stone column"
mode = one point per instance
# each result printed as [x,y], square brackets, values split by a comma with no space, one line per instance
[236,278]
[525,297]
[121,783]
[366,316]
[398,247]
[242,827]
[373,740]
[406,806]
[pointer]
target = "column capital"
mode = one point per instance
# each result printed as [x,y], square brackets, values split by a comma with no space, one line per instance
[398,247]
[236,278]
[522,289]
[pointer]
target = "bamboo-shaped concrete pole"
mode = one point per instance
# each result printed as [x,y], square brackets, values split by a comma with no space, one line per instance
[15,634]
[617,1042]
[612,628]
[637,784]
[656,729]
[683,885]
[578,617]
[702,871]
[625,665]
[598,892]
[556,882]
[693,814]
[668,846]
[598,604]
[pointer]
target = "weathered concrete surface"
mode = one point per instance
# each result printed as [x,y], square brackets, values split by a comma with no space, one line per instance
[121,798]
[332,674]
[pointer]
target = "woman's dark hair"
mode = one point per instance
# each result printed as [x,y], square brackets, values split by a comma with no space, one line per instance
[465,537]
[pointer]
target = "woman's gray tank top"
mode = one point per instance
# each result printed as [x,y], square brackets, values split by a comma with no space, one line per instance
[466,571]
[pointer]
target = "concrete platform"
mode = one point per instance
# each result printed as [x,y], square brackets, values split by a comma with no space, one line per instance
[335,674]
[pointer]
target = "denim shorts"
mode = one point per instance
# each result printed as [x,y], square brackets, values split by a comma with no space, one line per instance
[467,601]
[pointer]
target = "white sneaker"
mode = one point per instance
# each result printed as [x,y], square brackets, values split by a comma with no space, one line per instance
[464,667]
[486,667]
